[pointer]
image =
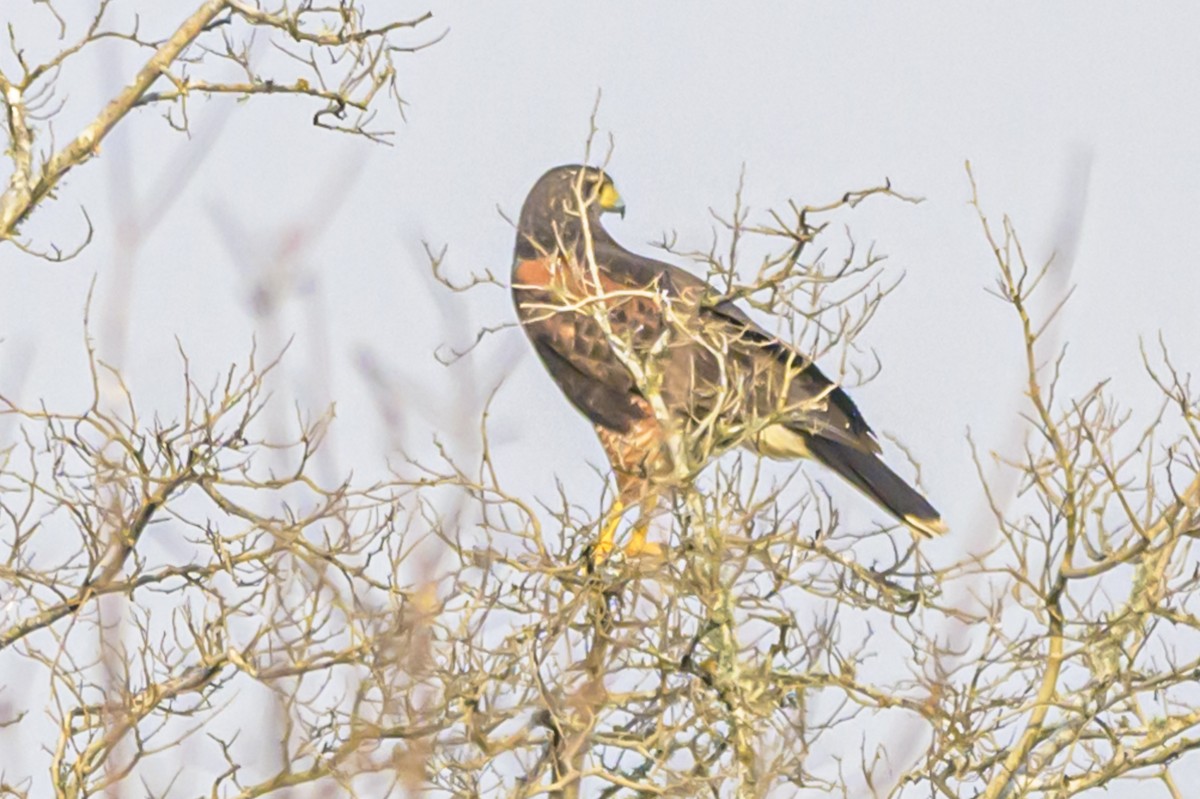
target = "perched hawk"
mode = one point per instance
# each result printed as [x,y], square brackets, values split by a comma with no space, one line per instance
[669,373]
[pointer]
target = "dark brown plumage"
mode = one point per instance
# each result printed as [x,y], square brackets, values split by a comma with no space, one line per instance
[608,324]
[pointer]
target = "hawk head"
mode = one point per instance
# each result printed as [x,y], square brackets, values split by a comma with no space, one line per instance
[552,212]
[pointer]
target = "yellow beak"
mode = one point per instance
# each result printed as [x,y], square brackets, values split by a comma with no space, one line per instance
[610,200]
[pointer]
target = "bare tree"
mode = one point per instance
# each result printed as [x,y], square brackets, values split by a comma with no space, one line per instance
[340,57]
[185,585]
[186,609]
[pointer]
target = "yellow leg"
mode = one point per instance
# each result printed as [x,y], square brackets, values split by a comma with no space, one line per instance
[608,532]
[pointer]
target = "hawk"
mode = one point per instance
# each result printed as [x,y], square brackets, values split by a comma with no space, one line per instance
[668,371]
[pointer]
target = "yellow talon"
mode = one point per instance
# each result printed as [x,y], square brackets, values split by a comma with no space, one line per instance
[638,546]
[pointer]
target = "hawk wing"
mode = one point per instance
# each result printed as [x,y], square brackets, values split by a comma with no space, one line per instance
[775,380]
[816,419]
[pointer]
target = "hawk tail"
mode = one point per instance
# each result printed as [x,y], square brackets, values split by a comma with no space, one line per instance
[870,475]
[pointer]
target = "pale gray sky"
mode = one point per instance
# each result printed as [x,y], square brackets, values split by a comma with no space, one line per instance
[1075,115]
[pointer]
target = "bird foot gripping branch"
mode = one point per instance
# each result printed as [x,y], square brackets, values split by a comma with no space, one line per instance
[638,547]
